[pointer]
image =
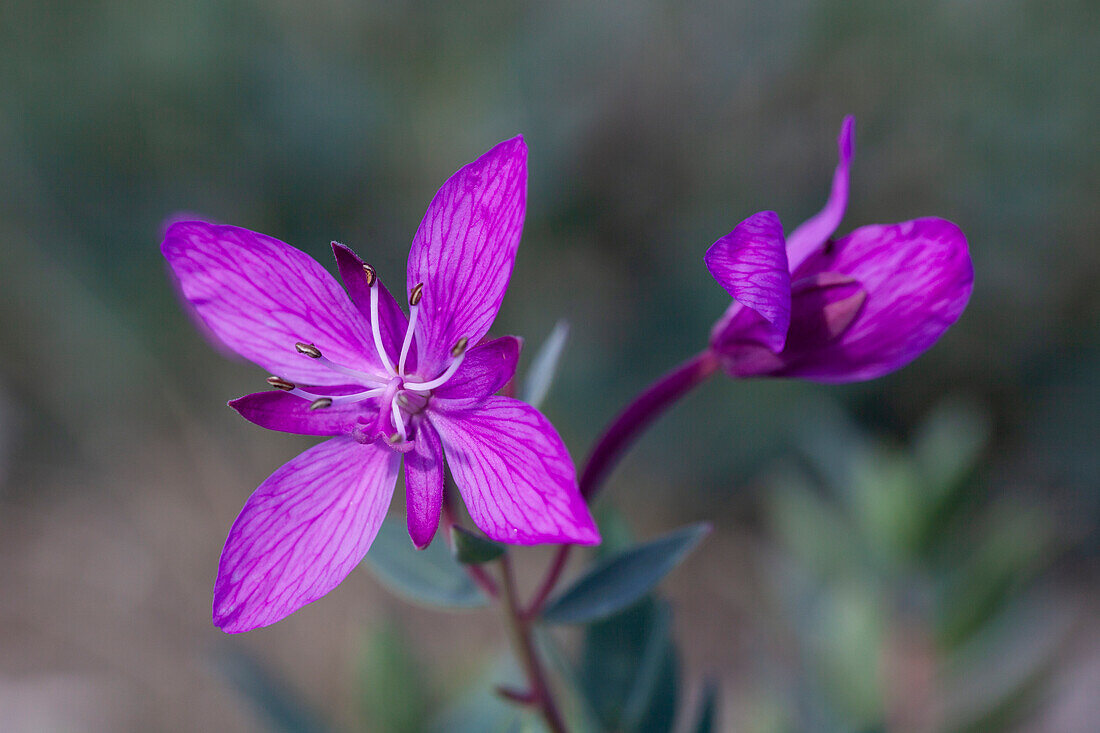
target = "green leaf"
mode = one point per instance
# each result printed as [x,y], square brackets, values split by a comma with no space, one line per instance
[472,549]
[544,367]
[430,576]
[620,580]
[629,669]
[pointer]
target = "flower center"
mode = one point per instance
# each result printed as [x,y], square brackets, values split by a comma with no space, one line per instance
[398,396]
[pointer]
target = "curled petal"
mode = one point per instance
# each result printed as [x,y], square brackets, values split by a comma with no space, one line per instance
[514,474]
[917,278]
[815,231]
[751,264]
[485,370]
[302,531]
[289,413]
[260,296]
[465,248]
[392,321]
[424,485]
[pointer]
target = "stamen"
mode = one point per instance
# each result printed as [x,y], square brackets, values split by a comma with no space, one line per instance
[308,349]
[459,347]
[375,327]
[370,273]
[320,403]
[280,383]
[410,331]
[397,421]
[442,378]
[337,399]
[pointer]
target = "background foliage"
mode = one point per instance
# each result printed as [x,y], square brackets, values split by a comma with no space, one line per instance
[875,544]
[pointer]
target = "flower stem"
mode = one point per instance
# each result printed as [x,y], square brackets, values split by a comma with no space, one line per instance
[639,414]
[520,627]
[620,435]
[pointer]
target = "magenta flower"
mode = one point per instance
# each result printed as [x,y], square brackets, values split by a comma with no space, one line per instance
[836,310]
[383,386]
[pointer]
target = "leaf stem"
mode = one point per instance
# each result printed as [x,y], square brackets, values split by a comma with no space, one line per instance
[520,627]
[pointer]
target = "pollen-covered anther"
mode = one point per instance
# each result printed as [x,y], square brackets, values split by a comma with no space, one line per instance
[320,403]
[372,276]
[308,349]
[280,383]
[460,347]
[416,294]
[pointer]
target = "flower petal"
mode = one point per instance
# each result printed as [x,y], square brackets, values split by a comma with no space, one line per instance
[392,321]
[464,250]
[751,264]
[260,296]
[302,531]
[276,410]
[485,369]
[424,485]
[514,474]
[917,277]
[814,232]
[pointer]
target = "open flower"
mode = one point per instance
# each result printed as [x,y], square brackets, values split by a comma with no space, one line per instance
[836,310]
[384,386]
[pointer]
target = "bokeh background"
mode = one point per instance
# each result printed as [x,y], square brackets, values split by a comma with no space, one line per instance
[915,553]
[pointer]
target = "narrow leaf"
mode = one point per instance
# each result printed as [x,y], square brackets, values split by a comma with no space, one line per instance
[544,367]
[619,580]
[629,669]
[472,549]
[430,576]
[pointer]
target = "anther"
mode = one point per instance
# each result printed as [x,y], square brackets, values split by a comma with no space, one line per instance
[320,403]
[308,349]
[416,294]
[280,383]
[459,347]
[370,273]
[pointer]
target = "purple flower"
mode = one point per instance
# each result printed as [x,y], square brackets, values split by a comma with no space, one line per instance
[836,310]
[383,386]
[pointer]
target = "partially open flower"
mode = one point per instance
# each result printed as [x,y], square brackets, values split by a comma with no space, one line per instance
[836,310]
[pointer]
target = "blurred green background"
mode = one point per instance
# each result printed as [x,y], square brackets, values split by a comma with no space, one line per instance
[914,553]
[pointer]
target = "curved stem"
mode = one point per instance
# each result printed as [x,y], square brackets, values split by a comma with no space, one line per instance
[620,435]
[638,415]
[540,695]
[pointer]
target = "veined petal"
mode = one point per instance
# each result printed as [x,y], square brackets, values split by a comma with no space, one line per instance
[514,474]
[486,368]
[464,250]
[424,485]
[260,296]
[815,231]
[917,276]
[751,264]
[392,321]
[277,410]
[302,531]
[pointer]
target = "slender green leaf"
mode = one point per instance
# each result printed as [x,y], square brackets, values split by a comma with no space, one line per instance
[472,549]
[629,669]
[544,367]
[431,576]
[620,580]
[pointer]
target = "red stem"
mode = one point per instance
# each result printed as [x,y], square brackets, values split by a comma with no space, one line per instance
[618,437]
